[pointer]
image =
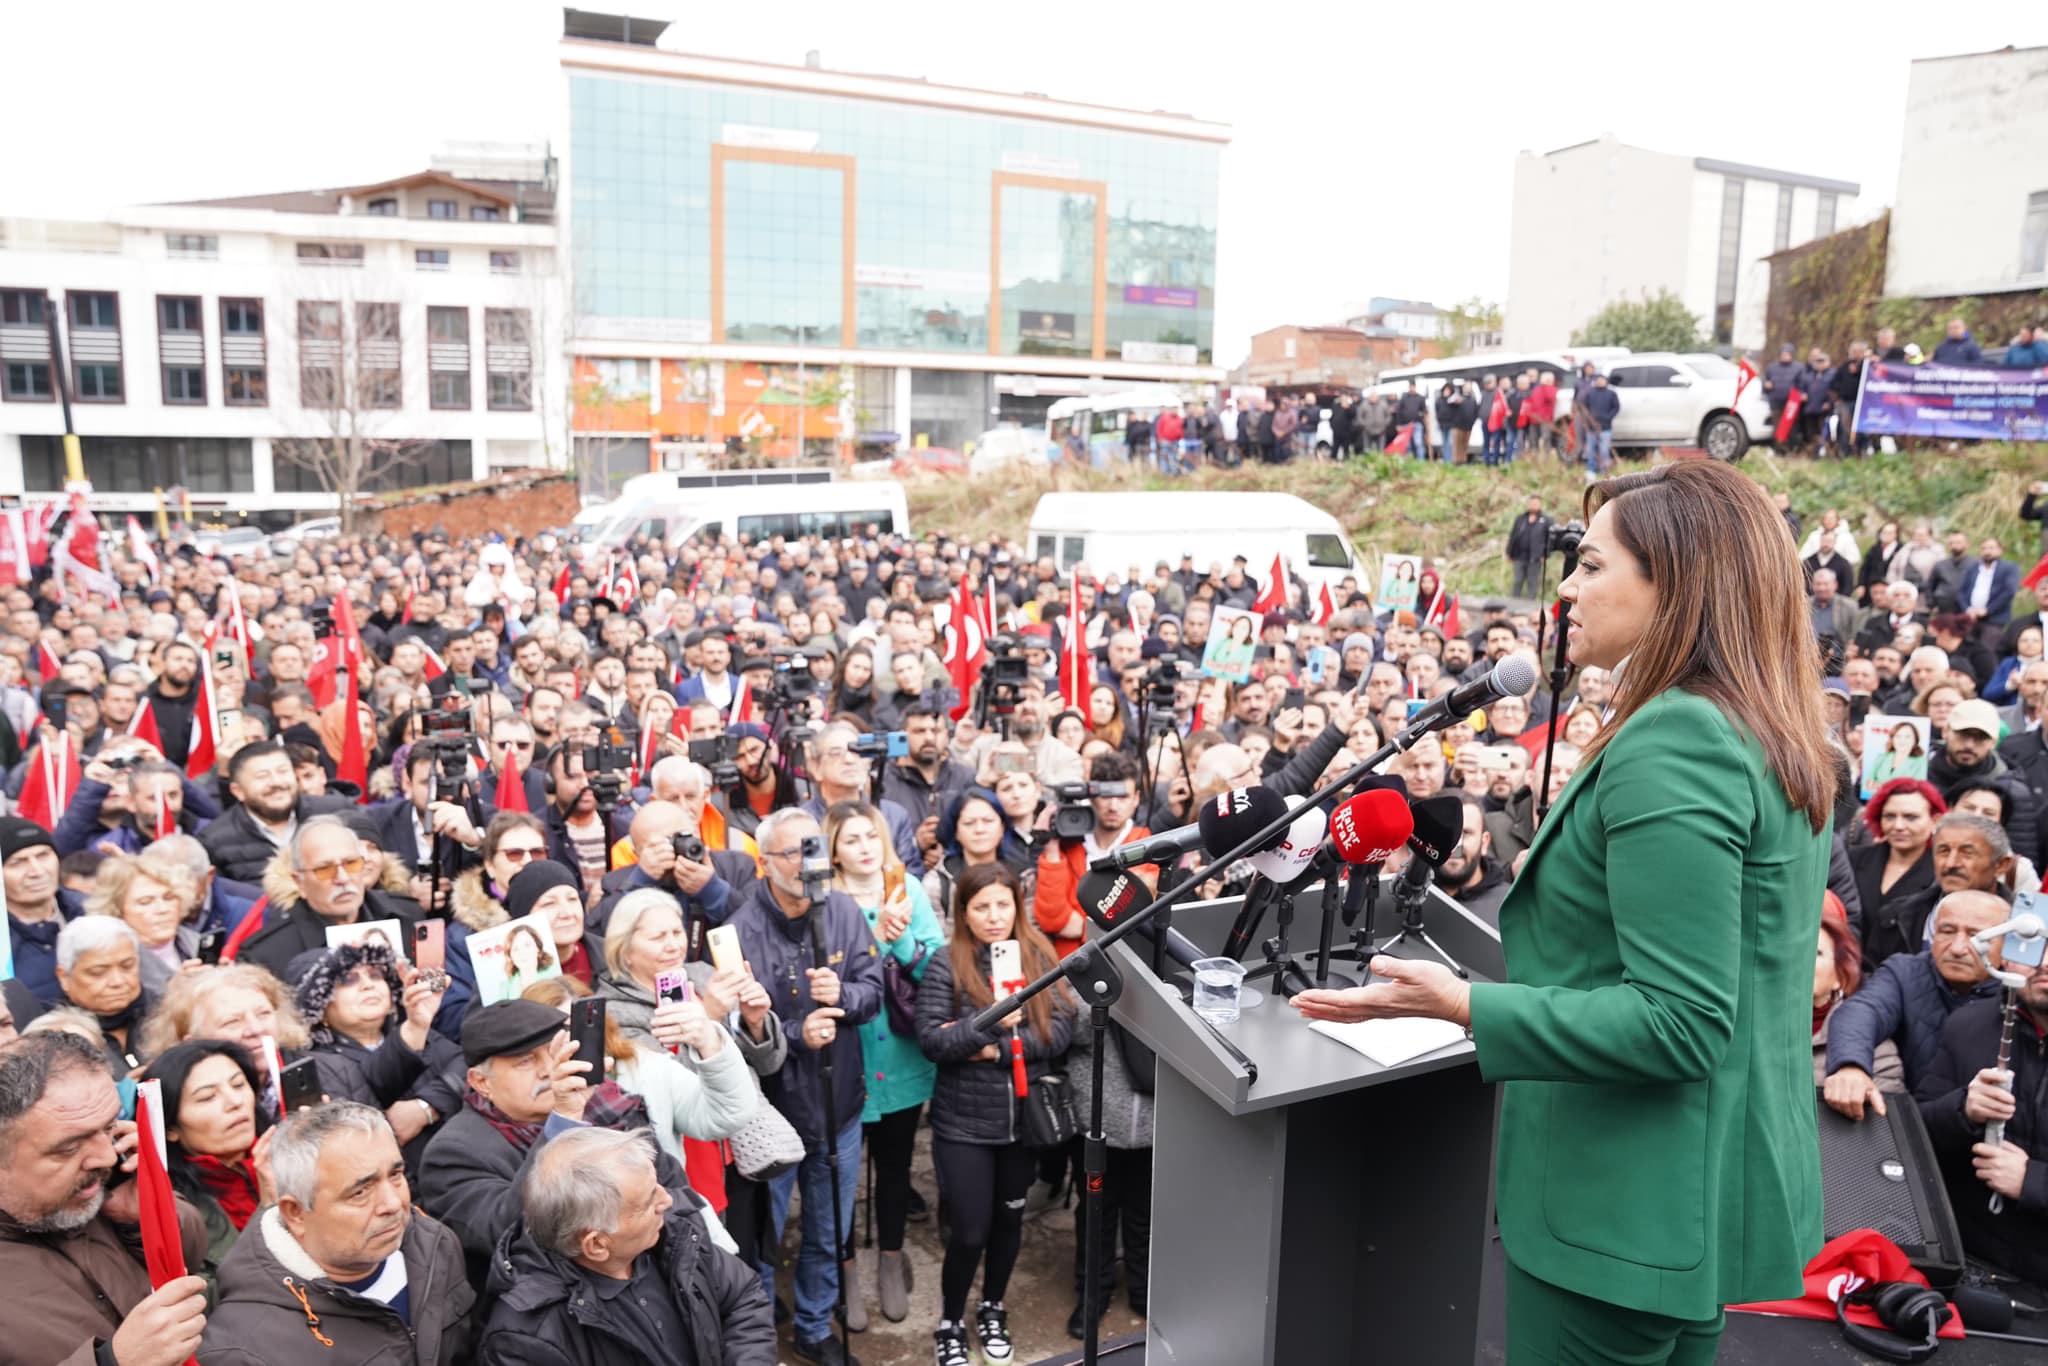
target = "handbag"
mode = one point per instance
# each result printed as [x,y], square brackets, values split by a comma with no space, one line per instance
[1048,1112]
[899,991]
[766,1145]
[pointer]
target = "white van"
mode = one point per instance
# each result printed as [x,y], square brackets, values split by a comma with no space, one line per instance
[754,510]
[1113,531]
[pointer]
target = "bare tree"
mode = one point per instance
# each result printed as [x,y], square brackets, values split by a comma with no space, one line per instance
[350,394]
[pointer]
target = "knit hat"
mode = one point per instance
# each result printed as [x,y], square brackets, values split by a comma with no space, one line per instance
[535,878]
[17,834]
[319,979]
[1357,640]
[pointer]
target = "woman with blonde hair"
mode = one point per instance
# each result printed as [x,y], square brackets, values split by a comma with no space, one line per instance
[154,896]
[238,1002]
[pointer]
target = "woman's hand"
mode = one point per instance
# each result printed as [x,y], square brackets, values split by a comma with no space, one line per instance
[754,1005]
[894,918]
[1413,988]
[259,1163]
[420,1002]
[989,1053]
[678,1024]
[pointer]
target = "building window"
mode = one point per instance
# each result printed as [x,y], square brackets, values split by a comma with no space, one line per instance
[623,380]
[441,208]
[332,253]
[426,259]
[505,262]
[448,357]
[192,244]
[181,348]
[1781,234]
[508,359]
[243,363]
[382,208]
[24,347]
[484,213]
[1729,264]
[379,379]
[95,346]
[137,464]
[319,354]
[2034,235]
[400,464]
[1824,213]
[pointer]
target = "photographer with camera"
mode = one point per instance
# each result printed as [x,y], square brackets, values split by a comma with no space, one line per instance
[924,781]
[672,857]
[1093,818]
[114,808]
[840,773]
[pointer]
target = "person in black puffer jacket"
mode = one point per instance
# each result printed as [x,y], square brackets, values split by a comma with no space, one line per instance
[977,1130]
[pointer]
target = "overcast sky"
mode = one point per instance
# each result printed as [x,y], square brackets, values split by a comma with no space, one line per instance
[1374,145]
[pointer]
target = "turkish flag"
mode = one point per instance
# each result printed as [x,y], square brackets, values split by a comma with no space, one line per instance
[47,663]
[434,668]
[51,780]
[1793,403]
[1326,606]
[742,704]
[562,585]
[205,744]
[1273,597]
[142,725]
[163,1248]
[1075,675]
[1745,373]
[354,766]
[1399,445]
[966,647]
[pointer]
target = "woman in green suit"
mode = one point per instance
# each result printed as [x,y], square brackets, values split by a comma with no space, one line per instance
[1658,1153]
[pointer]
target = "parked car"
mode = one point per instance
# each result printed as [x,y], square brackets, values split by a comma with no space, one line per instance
[1668,399]
[239,540]
[317,528]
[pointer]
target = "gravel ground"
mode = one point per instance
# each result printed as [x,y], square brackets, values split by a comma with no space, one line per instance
[1040,1297]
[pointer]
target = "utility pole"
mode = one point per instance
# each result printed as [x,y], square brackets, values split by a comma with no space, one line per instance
[802,396]
[74,459]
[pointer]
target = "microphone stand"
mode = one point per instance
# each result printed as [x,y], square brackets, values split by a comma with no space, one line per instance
[1410,898]
[1334,885]
[821,952]
[1280,964]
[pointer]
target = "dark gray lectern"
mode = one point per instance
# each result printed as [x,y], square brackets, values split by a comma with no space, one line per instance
[1332,1210]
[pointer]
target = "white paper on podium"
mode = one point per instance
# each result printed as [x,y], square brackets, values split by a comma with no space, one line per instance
[1391,1042]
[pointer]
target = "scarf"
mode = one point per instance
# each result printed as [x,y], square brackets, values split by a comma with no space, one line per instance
[231,1184]
[124,1019]
[607,1108]
[576,963]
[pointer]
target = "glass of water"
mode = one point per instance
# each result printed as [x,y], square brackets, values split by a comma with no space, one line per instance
[1219,984]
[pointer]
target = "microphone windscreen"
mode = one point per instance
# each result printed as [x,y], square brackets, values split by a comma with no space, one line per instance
[1230,818]
[1107,895]
[1372,826]
[1390,782]
[1285,860]
[1514,676]
[1439,825]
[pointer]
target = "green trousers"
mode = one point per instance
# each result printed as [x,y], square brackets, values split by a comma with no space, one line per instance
[1552,1327]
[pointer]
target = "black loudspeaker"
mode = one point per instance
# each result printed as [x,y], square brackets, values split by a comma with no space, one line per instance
[1880,1172]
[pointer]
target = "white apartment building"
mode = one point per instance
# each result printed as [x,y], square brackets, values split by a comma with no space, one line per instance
[215,346]
[1602,221]
[1972,211]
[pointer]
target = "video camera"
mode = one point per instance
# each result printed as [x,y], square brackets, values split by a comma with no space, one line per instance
[1073,817]
[606,762]
[1162,682]
[719,757]
[447,737]
[1564,538]
[815,868]
[1002,681]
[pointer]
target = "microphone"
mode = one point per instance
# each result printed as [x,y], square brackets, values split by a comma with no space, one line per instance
[1439,825]
[1364,885]
[1107,897]
[1512,677]
[1371,826]
[1225,822]
[1278,868]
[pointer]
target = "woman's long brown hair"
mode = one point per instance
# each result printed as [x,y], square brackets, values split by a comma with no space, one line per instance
[970,978]
[1731,622]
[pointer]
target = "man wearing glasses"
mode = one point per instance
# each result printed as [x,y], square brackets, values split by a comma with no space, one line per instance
[840,775]
[512,752]
[330,885]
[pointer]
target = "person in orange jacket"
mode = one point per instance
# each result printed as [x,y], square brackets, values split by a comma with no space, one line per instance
[1056,904]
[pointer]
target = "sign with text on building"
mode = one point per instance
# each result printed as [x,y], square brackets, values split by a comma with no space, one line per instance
[1953,401]
[771,139]
[1172,296]
[1034,325]
[1039,163]
[1159,353]
[918,277]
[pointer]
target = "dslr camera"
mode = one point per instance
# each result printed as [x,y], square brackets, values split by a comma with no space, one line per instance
[1564,538]
[1073,817]
[688,848]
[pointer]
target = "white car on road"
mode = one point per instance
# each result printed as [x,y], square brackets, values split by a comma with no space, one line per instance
[1668,399]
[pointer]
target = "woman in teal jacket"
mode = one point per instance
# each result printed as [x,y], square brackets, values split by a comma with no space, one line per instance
[1658,1154]
[899,1075]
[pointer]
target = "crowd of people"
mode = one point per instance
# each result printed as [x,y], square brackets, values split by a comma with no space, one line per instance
[636,781]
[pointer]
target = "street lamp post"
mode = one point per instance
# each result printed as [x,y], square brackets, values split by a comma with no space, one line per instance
[74,459]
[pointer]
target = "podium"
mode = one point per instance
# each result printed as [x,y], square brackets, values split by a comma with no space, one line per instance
[1330,1211]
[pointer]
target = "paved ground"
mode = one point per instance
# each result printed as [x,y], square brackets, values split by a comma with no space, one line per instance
[1040,1297]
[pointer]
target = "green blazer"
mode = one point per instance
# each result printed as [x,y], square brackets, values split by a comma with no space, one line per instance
[1658,1145]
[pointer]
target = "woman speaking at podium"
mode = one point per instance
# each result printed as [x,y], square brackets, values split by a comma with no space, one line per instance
[1658,1153]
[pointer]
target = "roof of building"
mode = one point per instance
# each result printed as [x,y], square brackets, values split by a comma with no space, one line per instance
[1727,168]
[534,200]
[2007,50]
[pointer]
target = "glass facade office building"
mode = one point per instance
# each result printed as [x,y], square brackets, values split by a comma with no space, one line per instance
[726,205]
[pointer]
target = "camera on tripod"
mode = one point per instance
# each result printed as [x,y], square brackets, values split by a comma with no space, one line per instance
[891,744]
[606,762]
[1564,538]
[1073,817]
[1003,675]
[1162,684]
[718,756]
[792,682]
[447,736]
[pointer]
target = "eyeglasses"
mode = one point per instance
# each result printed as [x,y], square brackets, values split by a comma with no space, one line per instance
[515,854]
[784,853]
[325,872]
[515,744]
